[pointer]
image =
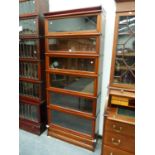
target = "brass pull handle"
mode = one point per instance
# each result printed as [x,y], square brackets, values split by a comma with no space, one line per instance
[117,129]
[115,142]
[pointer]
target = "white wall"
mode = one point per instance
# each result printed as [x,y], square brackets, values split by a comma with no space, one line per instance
[109,7]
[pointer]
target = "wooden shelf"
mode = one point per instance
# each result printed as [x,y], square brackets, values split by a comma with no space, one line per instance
[120,34]
[124,68]
[126,54]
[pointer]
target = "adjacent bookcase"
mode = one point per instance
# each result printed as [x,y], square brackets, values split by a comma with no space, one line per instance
[119,119]
[32,102]
[73,74]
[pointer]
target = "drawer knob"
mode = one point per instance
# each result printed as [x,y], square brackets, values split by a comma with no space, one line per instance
[117,129]
[115,142]
[111,153]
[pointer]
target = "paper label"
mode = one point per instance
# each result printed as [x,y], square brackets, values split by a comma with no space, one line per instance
[20,28]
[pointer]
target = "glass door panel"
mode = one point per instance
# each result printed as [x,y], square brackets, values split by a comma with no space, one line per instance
[72,122]
[28,49]
[28,111]
[29,89]
[82,64]
[72,44]
[84,23]
[126,24]
[28,70]
[74,83]
[125,51]
[26,7]
[72,102]
[28,26]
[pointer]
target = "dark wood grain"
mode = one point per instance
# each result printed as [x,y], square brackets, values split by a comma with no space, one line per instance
[39,59]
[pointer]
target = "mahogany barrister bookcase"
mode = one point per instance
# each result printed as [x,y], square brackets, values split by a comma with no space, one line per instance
[73,75]
[32,105]
[119,119]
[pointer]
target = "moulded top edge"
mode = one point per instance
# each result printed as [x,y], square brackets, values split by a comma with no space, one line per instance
[74,11]
[27,16]
[124,0]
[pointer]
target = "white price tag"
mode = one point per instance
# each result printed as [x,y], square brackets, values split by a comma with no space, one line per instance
[20,28]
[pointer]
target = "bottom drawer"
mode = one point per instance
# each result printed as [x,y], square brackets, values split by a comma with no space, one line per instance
[107,150]
[35,128]
[119,141]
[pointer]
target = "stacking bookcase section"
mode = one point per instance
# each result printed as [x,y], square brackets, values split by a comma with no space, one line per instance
[119,120]
[33,7]
[32,116]
[72,70]
[32,103]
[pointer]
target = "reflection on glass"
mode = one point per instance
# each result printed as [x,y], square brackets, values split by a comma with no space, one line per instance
[29,89]
[126,24]
[28,111]
[28,70]
[71,122]
[73,64]
[73,24]
[27,7]
[72,44]
[74,83]
[73,102]
[125,56]
[28,49]
[28,26]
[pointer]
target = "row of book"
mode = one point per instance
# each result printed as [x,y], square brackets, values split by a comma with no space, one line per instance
[29,89]
[28,70]
[27,49]
[28,111]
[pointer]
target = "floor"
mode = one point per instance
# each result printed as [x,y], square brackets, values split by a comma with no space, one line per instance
[30,144]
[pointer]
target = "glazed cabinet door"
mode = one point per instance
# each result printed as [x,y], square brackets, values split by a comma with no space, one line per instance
[72,102]
[72,45]
[124,65]
[29,48]
[28,26]
[73,83]
[29,70]
[31,90]
[79,64]
[27,7]
[73,24]
[72,122]
[29,112]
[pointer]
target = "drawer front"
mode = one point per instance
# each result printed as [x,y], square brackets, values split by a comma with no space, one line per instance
[107,150]
[119,141]
[119,127]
